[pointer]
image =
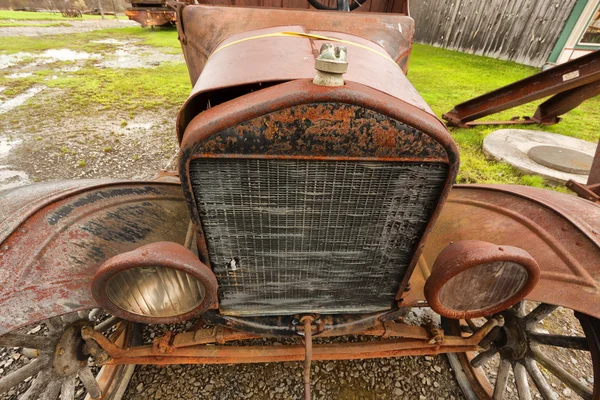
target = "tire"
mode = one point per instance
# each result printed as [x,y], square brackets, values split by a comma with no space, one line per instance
[55,345]
[536,357]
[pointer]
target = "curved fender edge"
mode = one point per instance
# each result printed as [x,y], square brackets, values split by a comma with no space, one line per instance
[55,235]
[562,233]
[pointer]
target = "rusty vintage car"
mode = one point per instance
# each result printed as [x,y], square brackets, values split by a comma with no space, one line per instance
[314,199]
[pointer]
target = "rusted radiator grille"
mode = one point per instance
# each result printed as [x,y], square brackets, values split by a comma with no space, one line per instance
[293,236]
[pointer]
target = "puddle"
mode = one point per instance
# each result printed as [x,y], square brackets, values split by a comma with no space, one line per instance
[8,60]
[72,68]
[111,41]
[67,55]
[19,75]
[6,145]
[131,56]
[10,178]
[47,57]
[139,125]
[19,99]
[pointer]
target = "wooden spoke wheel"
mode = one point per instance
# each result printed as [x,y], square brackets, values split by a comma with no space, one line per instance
[60,366]
[541,352]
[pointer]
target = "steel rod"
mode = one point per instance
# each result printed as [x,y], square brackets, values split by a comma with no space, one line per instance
[307,356]
[549,111]
[594,177]
[107,324]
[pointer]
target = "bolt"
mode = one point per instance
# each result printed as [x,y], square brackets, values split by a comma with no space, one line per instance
[86,332]
[61,351]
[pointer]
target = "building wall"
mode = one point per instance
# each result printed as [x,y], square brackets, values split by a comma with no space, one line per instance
[524,31]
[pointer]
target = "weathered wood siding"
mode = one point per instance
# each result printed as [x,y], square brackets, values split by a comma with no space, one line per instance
[524,31]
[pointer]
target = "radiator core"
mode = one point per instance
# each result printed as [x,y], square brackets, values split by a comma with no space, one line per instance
[299,236]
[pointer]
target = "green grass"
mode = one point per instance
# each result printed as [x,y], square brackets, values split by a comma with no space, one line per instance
[9,24]
[446,78]
[44,16]
[133,89]
[165,38]
[91,89]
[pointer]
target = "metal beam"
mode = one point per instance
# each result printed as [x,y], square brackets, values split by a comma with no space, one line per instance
[564,77]
[549,111]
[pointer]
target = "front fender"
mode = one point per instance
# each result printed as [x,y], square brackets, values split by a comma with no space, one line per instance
[560,231]
[54,236]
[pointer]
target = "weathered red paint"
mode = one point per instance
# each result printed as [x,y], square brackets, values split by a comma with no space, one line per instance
[55,236]
[163,353]
[560,231]
[241,68]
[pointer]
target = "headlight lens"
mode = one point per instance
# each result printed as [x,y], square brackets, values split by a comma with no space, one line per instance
[155,291]
[473,279]
[488,284]
[159,283]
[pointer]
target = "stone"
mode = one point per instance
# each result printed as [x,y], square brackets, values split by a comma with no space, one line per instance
[567,392]
[329,367]
[513,145]
[562,159]
[36,329]
[398,392]
[139,388]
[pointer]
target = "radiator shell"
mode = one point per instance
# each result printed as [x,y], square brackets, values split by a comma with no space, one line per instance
[281,132]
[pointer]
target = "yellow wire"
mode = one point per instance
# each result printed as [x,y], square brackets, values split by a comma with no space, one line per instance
[307,36]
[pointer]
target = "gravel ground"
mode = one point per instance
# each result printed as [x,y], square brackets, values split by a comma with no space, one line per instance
[87,25]
[399,378]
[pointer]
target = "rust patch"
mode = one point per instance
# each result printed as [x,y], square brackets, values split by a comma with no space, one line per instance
[325,129]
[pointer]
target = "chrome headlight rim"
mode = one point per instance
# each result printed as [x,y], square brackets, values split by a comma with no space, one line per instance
[161,254]
[465,255]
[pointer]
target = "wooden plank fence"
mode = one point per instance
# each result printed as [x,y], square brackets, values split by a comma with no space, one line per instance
[524,31]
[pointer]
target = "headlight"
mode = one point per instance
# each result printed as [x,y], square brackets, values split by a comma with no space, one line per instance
[472,279]
[157,283]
